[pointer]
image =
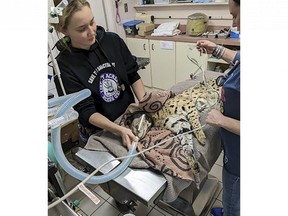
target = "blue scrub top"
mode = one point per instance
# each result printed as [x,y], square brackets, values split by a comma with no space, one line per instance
[231,108]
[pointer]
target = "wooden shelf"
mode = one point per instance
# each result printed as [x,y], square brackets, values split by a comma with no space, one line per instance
[185,38]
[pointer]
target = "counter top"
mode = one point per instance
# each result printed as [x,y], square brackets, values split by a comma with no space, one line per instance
[190,39]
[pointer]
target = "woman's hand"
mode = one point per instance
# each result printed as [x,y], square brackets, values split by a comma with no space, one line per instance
[217,119]
[205,46]
[101,121]
[214,118]
[127,137]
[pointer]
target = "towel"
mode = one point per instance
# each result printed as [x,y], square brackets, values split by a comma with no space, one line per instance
[167,29]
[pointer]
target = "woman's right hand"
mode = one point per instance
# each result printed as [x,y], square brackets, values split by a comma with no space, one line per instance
[126,134]
[127,137]
[205,46]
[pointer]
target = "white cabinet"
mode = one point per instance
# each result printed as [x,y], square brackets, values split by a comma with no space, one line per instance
[140,48]
[160,73]
[169,62]
[184,66]
[162,58]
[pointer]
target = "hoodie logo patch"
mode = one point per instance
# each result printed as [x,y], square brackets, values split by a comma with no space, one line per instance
[108,87]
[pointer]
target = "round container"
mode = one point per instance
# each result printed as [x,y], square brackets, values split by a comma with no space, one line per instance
[196,24]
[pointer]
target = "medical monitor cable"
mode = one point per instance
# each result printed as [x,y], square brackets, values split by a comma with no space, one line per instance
[204,80]
[73,190]
[194,61]
[56,69]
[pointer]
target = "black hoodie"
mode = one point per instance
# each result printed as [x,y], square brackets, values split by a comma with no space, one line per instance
[91,69]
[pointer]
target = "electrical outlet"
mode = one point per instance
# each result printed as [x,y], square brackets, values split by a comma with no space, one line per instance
[125,7]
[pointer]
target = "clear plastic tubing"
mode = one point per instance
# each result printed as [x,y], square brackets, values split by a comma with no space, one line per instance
[60,156]
[52,111]
[70,115]
[59,100]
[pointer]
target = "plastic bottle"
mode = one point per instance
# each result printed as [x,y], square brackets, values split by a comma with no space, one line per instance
[70,115]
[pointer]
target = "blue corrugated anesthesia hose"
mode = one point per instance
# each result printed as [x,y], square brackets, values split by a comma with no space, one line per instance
[68,102]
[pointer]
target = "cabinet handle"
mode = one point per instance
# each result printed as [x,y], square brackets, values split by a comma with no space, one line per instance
[152,46]
[144,46]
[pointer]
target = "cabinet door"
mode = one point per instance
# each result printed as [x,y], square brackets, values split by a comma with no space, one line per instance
[162,55]
[140,48]
[184,66]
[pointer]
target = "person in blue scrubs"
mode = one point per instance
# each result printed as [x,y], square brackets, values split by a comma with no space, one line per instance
[228,119]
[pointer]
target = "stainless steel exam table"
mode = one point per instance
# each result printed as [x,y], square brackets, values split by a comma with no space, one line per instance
[146,186]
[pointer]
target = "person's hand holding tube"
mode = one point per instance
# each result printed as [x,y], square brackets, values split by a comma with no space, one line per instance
[214,118]
[127,137]
[205,46]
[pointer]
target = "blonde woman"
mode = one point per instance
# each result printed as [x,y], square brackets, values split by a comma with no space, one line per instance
[100,61]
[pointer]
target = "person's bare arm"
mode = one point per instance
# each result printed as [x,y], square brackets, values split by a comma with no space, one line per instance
[138,88]
[206,46]
[216,118]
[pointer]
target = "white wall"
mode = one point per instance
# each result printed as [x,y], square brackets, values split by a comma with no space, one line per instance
[98,12]
[124,16]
